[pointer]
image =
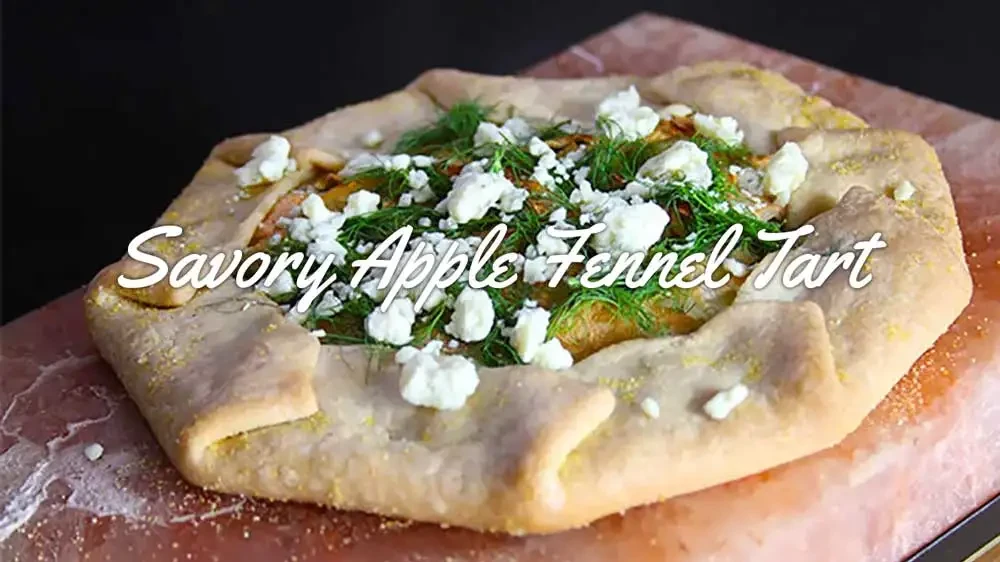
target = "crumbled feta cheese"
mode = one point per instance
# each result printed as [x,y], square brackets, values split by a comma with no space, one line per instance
[394,325]
[724,402]
[785,172]
[529,331]
[528,339]
[282,285]
[398,162]
[749,180]
[621,115]
[324,245]
[93,452]
[424,222]
[586,218]
[268,163]
[454,344]
[548,245]
[318,333]
[473,317]
[632,228]
[489,133]
[474,192]
[683,158]
[548,168]
[361,163]
[435,381]
[405,200]
[725,129]
[519,129]
[512,200]
[558,215]
[650,407]
[372,138]
[504,217]
[361,203]
[537,270]
[736,267]
[675,110]
[329,304]
[417,179]
[448,224]
[315,209]
[904,191]
[571,158]
[421,161]
[552,355]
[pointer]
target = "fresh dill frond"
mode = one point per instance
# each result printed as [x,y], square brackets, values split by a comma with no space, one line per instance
[453,129]
[615,161]
[388,183]
[430,325]
[346,326]
[379,225]
[552,130]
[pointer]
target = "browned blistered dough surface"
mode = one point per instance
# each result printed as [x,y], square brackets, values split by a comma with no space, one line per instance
[927,455]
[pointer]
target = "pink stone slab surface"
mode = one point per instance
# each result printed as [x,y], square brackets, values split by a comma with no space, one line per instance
[929,454]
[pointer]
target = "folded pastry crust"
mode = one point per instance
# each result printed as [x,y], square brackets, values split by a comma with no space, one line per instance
[246,402]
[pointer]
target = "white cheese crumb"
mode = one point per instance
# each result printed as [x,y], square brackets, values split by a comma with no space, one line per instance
[785,172]
[683,158]
[424,222]
[398,162]
[548,168]
[512,200]
[474,192]
[548,245]
[529,331]
[283,285]
[93,452]
[473,317]
[329,304]
[489,133]
[453,344]
[725,401]
[736,267]
[632,228]
[318,333]
[520,129]
[725,129]
[360,163]
[421,161]
[904,191]
[558,215]
[552,355]
[621,115]
[268,163]
[394,325]
[417,179]
[675,110]
[650,407]
[538,270]
[361,203]
[435,381]
[315,209]
[372,138]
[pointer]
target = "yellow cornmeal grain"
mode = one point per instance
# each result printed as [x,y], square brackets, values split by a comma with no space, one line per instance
[625,387]
[895,332]
[847,166]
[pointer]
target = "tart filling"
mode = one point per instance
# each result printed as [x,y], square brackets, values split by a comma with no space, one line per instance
[672,180]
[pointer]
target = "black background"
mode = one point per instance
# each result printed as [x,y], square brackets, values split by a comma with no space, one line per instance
[108,109]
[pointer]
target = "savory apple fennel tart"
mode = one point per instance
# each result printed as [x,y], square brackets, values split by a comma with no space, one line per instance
[535,408]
